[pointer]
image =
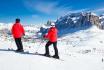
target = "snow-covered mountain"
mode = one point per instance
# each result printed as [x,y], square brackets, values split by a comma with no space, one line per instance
[73,20]
[101,18]
[66,24]
[79,21]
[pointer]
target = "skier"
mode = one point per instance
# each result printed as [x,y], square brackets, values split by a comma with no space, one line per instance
[52,37]
[18,32]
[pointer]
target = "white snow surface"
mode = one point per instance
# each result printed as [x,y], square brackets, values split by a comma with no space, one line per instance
[92,13]
[82,50]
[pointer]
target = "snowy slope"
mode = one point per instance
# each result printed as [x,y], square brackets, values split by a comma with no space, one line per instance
[82,50]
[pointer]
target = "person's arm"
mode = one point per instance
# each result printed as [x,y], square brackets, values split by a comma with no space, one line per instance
[48,35]
[23,30]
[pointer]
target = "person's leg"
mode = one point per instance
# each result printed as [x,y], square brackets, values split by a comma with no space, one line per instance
[20,43]
[55,49]
[17,43]
[47,48]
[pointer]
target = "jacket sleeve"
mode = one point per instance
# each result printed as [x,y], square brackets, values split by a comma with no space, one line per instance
[49,34]
[22,30]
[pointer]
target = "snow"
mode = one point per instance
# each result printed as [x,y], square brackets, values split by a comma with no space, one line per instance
[81,50]
[101,17]
[92,13]
[5,25]
[74,18]
[75,21]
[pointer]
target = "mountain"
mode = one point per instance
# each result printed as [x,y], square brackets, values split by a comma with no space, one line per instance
[77,20]
[69,23]
[101,18]
[74,22]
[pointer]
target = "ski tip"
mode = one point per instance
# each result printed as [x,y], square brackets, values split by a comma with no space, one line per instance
[10,49]
[102,59]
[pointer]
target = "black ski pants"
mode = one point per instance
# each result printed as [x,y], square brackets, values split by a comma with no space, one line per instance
[19,43]
[54,45]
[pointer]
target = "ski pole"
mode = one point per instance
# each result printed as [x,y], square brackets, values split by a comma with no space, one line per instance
[40,45]
[10,47]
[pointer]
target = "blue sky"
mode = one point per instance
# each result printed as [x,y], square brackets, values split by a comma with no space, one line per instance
[39,11]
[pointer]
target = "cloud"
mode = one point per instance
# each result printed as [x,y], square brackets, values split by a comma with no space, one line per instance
[41,6]
[50,7]
[80,10]
[46,7]
[99,10]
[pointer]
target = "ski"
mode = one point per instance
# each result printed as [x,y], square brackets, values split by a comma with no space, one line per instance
[24,52]
[27,52]
[48,57]
[11,49]
[102,60]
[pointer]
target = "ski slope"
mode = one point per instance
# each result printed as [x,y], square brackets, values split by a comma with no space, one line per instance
[82,50]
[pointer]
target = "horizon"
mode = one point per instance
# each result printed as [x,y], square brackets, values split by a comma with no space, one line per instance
[40,11]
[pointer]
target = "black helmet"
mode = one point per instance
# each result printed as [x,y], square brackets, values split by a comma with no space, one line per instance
[17,20]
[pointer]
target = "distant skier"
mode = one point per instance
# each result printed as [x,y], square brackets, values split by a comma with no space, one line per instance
[18,32]
[52,37]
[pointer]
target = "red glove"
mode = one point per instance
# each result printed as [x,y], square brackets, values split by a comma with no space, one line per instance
[44,36]
[23,34]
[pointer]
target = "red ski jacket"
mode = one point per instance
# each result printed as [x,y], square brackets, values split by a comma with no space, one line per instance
[17,30]
[52,34]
